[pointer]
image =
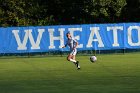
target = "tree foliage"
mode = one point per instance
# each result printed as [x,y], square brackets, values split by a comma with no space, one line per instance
[61,12]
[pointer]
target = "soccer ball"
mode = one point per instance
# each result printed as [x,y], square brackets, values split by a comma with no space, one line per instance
[93,58]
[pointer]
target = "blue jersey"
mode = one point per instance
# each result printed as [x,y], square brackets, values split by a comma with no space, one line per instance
[71,43]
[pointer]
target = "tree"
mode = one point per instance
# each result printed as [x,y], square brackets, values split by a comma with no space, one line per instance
[131,11]
[62,12]
[23,13]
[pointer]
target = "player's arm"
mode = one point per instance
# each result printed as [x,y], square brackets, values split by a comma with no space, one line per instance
[64,46]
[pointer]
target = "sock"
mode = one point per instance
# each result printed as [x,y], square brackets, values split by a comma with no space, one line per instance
[78,66]
[72,60]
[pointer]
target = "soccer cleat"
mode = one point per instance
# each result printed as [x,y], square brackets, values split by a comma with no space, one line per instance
[78,67]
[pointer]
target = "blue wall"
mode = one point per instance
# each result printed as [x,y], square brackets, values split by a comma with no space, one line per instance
[51,38]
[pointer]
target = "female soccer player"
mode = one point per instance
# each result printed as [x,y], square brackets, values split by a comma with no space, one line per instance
[72,43]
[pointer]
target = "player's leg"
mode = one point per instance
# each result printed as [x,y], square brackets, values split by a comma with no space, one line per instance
[77,62]
[70,58]
[73,57]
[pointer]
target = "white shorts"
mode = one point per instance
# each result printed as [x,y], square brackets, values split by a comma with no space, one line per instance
[73,52]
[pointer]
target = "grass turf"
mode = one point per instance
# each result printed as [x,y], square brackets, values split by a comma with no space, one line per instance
[110,74]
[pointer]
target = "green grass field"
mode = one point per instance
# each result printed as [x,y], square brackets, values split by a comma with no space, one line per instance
[110,74]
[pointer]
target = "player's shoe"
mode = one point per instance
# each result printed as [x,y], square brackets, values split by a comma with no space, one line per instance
[78,67]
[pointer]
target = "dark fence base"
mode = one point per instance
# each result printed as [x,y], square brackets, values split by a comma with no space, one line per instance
[60,53]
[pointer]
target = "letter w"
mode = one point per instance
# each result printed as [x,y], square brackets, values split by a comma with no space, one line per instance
[28,34]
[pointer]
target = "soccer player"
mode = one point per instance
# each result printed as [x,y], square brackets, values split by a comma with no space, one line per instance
[72,43]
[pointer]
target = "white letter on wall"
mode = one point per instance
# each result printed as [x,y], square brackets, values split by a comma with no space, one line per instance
[35,45]
[28,34]
[95,31]
[130,38]
[52,38]
[21,45]
[115,34]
